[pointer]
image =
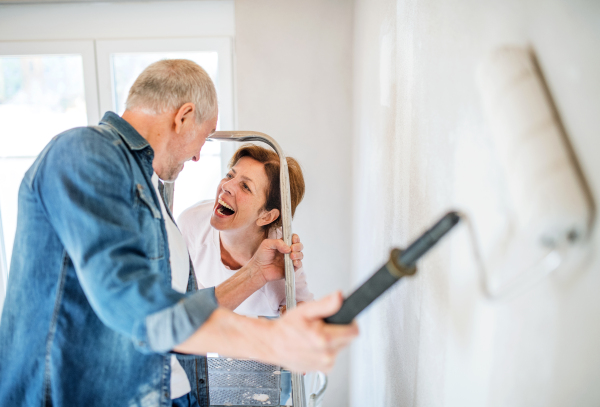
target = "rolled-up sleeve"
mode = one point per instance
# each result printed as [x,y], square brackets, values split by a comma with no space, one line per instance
[168,328]
[86,187]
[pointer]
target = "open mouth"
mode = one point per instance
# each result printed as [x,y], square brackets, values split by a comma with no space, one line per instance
[224,209]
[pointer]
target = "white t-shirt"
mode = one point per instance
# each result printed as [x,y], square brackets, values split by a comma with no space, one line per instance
[180,271]
[204,245]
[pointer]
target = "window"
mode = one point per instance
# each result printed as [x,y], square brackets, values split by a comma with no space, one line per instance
[50,86]
[119,64]
[42,92]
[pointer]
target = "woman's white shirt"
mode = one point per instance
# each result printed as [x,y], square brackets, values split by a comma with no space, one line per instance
[180,271]
[204,246]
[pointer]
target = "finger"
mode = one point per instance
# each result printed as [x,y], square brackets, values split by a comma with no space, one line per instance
[297,247]
[296,255]
[340,336]
[295,238]
[297,264]
[276,244]
[324,307]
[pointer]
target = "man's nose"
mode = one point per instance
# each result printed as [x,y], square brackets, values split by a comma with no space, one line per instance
[196,158]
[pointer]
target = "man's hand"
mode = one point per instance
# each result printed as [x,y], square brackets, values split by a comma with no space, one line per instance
[268,261]
[305,342]
[283,308]
[300,340]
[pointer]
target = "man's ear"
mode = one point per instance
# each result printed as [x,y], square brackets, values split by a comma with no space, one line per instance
[185,115]
[266,218]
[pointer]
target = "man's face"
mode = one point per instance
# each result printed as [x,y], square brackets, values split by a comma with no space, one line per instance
[186,146]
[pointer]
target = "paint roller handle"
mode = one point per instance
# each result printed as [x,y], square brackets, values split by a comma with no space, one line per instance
[427,240]
[400,264]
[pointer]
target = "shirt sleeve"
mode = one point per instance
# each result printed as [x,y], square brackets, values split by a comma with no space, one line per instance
[302,291]
[86,187]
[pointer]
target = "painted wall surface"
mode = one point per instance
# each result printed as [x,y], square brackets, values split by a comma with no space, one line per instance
[293,82]
[422,147]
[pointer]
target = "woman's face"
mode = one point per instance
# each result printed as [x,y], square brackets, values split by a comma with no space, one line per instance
[241,198]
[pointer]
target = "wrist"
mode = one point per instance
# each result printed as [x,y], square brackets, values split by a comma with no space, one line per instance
[256,334]
[237,288]
[266,346]
[254,276]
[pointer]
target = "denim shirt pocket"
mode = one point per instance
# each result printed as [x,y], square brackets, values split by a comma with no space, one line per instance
[150,217]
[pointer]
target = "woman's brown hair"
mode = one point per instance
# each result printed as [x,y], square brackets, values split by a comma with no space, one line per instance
[270,160]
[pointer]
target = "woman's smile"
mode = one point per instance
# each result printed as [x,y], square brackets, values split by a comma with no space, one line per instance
[223,209]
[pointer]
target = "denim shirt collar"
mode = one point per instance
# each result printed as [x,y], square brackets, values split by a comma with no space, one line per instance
[132,138]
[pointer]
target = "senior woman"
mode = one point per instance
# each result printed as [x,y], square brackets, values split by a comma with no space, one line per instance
[223,235]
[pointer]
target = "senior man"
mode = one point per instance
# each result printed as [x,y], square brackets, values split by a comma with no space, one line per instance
[96,304]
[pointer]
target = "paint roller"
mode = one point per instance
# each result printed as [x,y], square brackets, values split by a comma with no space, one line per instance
[551,203]
[548,194]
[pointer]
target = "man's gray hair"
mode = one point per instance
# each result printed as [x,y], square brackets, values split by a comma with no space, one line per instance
[168,84]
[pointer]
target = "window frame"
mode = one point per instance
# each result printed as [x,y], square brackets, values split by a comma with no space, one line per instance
[88,58]
[83,48]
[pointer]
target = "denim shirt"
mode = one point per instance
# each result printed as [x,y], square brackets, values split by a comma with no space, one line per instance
[90,316]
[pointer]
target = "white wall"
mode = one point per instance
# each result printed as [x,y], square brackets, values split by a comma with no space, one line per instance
[293,74]
[421,147]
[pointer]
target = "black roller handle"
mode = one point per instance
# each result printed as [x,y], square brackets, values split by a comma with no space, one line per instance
[401,263]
